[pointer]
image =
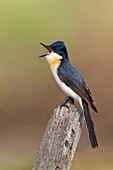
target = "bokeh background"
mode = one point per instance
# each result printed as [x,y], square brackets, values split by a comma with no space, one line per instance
[28,92]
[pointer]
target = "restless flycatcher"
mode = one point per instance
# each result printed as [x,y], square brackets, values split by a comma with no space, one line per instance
[71,82]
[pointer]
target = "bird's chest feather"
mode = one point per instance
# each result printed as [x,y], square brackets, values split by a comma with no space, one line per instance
[54,63]
[54,60]
[64,87]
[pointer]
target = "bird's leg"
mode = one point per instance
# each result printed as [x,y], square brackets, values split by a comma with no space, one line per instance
[66,101]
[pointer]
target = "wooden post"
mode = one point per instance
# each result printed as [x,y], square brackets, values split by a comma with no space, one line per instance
[60,140]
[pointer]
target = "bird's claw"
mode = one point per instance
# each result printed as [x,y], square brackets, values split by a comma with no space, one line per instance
[67,101]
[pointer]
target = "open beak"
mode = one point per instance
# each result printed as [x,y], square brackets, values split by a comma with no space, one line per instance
[47,47]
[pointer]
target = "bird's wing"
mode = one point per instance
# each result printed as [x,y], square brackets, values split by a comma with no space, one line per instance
[72,78]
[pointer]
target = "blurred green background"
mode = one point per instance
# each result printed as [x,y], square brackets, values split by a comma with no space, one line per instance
[28,92]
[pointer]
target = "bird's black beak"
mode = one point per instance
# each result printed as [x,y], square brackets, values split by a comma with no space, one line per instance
[47,47]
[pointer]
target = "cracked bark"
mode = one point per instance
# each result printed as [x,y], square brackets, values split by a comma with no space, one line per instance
[60,140]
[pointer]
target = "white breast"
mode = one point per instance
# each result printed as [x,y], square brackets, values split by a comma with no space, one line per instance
[65,88]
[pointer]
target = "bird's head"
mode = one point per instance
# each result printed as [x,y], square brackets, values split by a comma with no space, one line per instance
[57,52]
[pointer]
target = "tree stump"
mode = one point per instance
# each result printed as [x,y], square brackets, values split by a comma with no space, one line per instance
[60,140]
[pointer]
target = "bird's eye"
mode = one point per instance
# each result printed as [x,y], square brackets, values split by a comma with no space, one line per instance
[55,48]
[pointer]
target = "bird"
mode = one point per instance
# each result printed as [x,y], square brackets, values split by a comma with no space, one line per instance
[71,82]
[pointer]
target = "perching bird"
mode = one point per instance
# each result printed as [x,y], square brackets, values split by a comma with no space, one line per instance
[71,82]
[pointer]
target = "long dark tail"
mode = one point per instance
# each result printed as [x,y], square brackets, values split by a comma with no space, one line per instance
[90,125]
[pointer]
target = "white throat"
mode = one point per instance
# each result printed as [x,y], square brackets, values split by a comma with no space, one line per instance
[52,56]
[53,59]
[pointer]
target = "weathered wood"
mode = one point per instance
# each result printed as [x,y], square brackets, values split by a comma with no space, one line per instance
[60,139]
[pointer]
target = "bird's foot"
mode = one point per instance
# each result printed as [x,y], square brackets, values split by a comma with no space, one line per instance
[81,111]
[67,101]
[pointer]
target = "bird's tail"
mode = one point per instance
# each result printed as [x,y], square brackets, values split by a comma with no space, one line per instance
[90,125]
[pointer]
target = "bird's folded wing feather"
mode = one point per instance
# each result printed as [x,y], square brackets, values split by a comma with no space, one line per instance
[72,78]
